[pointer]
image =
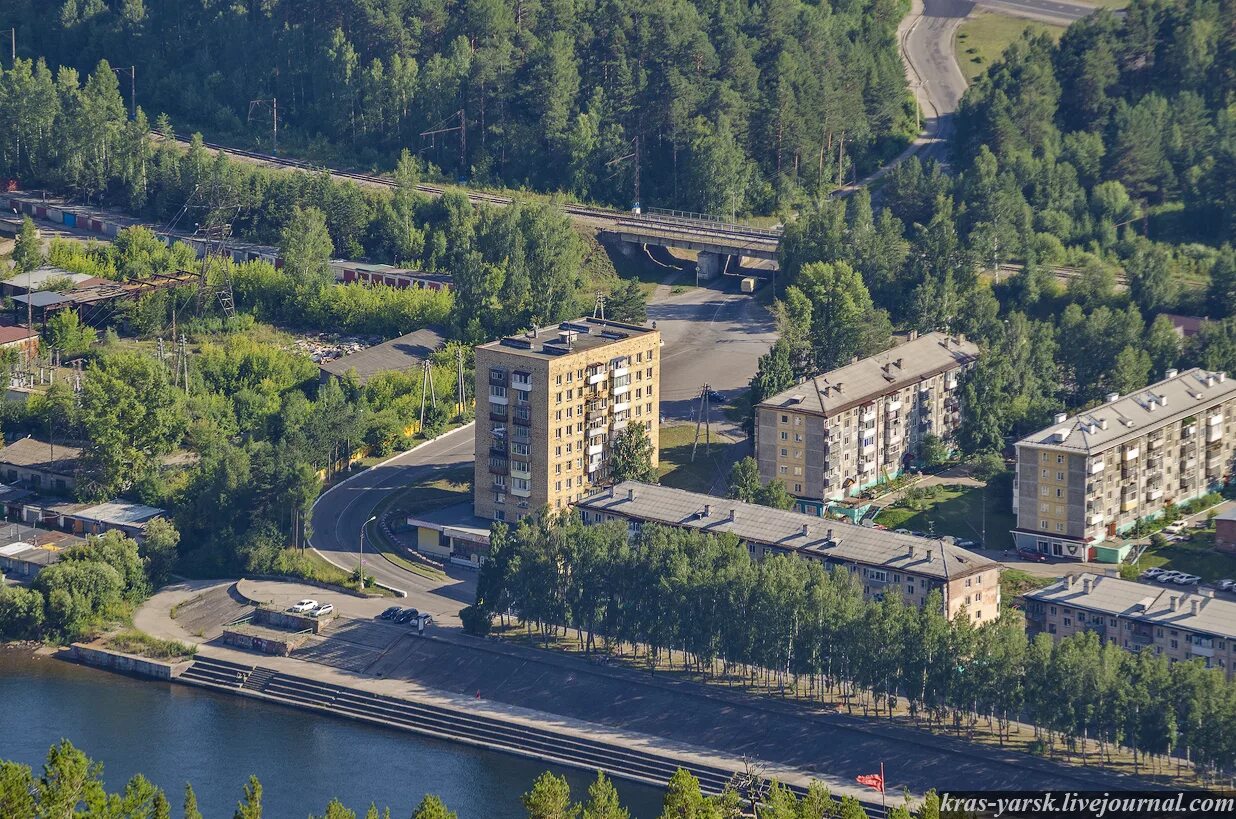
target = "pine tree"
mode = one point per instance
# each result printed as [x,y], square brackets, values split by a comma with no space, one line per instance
[602,801]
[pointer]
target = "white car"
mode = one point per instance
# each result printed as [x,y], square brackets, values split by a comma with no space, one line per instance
[1153,572]
[323,610]
[304,607]
[1167,577]
[1185,579]
[1226,585]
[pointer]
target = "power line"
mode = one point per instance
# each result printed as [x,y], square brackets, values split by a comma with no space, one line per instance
[704,414]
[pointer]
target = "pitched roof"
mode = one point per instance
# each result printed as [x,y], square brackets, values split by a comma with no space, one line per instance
[871,377]
[13,334]
[791,531]
[1140,601]
[1121,419]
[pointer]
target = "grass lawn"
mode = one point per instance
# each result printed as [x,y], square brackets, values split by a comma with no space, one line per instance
[958,511]
[676,468]
[1195,555]
[984,35]
[1016,582]
[445,489]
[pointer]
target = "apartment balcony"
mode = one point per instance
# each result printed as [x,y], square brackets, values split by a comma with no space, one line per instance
[519,469]
[1155,443]
[622,406]
[598,429]
[498,448]
[868,449]
[621,389]
[596,449]
[950,383]
[892,406]
[1155,462]
[596,376]
[501,400]
[1095,519]
[868,417]
[498,466]
[1214,420]
[1096,467]
[1214,435]
[498,414]
[621,423]
[618,372]
[1189,431]
[1128,505]
[866,466]
[497,377]
[1202,647]
[1129,474]
[521,381]
[1189,465]
[521,493]
[1154,494]
[1131,454]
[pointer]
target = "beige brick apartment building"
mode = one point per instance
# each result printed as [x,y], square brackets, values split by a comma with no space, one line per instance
[838,433]
[1182,625]
[882,560]
[548,406]
[1091,477]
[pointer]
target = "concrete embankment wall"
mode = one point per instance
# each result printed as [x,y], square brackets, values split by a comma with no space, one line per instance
[125,663]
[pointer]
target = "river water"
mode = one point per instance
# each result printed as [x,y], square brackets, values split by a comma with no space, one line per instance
[175,734]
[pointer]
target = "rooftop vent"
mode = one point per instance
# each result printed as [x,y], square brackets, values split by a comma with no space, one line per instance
[1087,585]
[1102,423]
[732,514]
[1195,606]
[1060,416]
[929,554]
[1222,377]
[1210,379]
[805,529]
[631,493]
[1171,373]
[913,334]
[707,509]
[1173,602]
[1112,396]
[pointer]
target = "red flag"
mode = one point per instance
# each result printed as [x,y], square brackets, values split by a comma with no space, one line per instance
[875,781]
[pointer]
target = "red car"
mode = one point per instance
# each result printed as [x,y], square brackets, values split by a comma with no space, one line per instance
[1031,555]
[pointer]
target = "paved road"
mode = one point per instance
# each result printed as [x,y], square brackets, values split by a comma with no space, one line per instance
[712,334]
[1052,11]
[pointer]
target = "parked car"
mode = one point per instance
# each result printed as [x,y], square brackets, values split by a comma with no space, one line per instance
[1226,584]
[421,620]
[716,397]
[965,543]
[1167,577]
[1032,555]
[323,610]
[390,613]
[1186,579]
[303,607]
[1153,572]
[901,531]
[406,616]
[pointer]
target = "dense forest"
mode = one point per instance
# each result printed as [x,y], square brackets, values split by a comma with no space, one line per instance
[72,783]
[727,104]
[790,623]
[1102,168]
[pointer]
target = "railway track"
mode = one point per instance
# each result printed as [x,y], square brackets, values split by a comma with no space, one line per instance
[610,217]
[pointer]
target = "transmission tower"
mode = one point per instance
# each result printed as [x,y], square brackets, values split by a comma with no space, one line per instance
[461,393]
[598,307]
[273,102]
[427,387]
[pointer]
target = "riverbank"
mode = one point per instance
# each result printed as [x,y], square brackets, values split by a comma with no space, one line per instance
[177,733]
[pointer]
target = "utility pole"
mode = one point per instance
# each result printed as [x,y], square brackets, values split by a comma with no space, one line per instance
[132,72]
[427,387]
[460,387]
[274,123]
[704,414]
[361,568]
[462,128]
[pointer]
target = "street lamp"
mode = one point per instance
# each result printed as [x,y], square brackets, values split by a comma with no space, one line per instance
[361,569]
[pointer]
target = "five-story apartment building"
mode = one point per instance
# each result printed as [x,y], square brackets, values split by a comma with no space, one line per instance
[549,404]
[1091,477]
[840,432]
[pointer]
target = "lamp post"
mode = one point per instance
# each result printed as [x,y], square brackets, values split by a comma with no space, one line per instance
[361,569]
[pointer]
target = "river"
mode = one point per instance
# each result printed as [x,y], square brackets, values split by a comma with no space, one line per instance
[175,734]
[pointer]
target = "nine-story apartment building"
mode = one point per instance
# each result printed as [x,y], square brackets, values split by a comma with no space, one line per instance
[549,404]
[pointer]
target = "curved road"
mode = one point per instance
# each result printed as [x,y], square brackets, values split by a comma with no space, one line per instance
[712,334]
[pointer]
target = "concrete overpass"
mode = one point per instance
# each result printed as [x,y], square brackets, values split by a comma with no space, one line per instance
[717,242]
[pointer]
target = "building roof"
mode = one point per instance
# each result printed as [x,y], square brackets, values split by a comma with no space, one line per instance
[1121,419]
[120,513]
[568,337]
[1150,604]
[29,553]
[31,453]
[871,377]
[13,334]
[43,298]
[37,278]
[792,531]
[399,354]
[1227,514]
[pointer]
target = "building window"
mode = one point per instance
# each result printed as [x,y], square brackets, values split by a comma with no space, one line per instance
[785,436]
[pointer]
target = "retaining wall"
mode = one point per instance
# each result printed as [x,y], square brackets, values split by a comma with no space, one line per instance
[126,663]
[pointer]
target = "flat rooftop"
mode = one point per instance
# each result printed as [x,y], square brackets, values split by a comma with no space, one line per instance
[40,276]
[568,337]
[120,513]
[401,354]
[1140,601]
[456,520]
[1121,419]
[792,531]
[868,378]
